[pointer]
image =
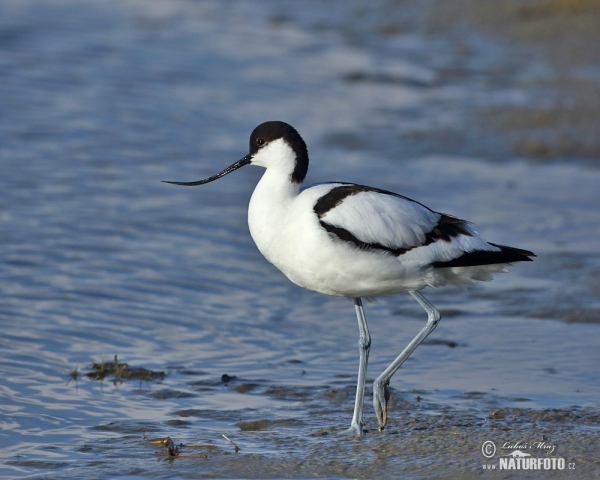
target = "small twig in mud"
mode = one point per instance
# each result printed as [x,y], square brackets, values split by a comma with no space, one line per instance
[74,374]
[237,449]
[173,450]
[156,440]
[120,370]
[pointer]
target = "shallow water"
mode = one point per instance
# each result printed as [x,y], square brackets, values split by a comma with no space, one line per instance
[102,101]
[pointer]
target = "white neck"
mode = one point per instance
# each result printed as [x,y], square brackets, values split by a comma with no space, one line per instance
[269,208]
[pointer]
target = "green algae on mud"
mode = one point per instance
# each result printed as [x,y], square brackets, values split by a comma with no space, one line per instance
[120,372]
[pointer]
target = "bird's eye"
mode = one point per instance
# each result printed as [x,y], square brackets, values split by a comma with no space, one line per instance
[260,142]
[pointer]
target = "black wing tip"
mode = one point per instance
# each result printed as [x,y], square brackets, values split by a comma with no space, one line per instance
[521,254]
[487,257]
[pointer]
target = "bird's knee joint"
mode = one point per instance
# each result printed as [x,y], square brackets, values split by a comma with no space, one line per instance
[364,343]
[380,384]
[434,318]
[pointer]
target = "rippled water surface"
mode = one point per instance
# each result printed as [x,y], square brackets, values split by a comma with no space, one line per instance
[101,101]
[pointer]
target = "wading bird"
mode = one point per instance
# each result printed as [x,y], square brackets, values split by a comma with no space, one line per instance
[358,242]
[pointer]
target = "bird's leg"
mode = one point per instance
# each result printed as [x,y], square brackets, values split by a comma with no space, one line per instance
[380,386]
[364,345]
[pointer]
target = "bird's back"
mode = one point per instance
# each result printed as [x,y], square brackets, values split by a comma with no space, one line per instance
[352,240]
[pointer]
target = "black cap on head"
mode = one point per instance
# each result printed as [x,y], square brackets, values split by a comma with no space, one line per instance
[269,131]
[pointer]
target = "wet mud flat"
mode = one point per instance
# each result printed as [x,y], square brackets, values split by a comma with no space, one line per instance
[554,44]
[422,440]
[426,445]
[532,67]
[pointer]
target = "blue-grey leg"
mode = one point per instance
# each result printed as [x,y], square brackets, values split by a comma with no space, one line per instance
[381,394]
[364,345]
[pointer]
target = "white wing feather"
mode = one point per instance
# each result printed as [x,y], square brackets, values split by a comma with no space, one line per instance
[399,223]
[377,218]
